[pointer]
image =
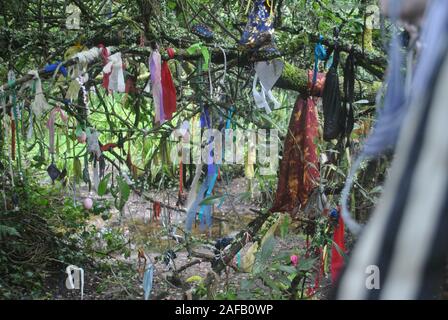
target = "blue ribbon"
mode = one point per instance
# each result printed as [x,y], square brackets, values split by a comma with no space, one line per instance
[334,213]
[212,175]
[229,117]
[206,122]
[205,211]
[51,68]
[147,281]
[319,54]
[205,118]
[191,214]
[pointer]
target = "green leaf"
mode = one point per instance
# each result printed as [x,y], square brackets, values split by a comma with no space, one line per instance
[284,281]
[42,201]
[267,249]
[172,5]
[212,200]
[102,186]
[262,256]
[124,193]
[77,169]
[287,269]
[268,281]
[306,264]
[124,188]
[195,278]
[79,130]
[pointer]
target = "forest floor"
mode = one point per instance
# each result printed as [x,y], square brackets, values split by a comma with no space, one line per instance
[122,279]
[108,249]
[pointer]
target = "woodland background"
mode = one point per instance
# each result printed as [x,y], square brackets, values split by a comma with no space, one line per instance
[49,232]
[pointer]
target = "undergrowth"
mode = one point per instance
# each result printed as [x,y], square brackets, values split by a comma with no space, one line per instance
[45,233]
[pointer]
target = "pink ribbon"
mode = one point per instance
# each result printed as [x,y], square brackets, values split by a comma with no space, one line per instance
[50,125]
[155,67]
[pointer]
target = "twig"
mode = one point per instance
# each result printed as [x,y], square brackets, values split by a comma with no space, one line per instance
[213,16]
[188,265]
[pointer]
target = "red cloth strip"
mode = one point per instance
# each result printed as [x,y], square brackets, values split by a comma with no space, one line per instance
[337,260]
[108,147]
[299,173]
[13,140]
[156,209]
[168,88]
[181,177]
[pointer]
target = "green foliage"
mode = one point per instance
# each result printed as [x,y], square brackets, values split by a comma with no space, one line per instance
[45,235]
[102,186]
[39,239]
[262,257]
[284,226]
[121,193]
[230,294]
[6,231]
[272,274]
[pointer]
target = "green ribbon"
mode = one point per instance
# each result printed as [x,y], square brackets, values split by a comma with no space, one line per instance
[199,47]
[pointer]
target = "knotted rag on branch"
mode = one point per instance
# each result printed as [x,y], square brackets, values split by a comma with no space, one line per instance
[299,173]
